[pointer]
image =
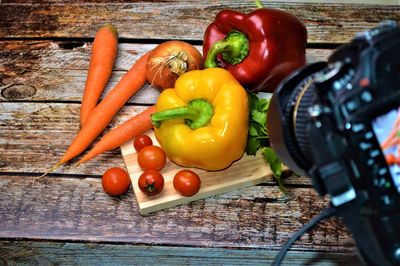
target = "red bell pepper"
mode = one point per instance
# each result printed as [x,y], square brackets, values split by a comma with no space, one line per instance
[260,48]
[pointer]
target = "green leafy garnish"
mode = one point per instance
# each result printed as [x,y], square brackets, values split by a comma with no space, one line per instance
[257,124]
[275,164]
[258,136]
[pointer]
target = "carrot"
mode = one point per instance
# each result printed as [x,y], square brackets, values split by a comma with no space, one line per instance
[104,52]
[104,112]
[130,129]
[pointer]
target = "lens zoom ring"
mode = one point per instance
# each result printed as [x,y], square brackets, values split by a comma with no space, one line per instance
[302,119]
[290,135]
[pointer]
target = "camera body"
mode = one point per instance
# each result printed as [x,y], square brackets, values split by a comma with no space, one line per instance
[331,120]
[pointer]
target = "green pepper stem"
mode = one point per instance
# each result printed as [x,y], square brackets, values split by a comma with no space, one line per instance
[234,48]
[197,114]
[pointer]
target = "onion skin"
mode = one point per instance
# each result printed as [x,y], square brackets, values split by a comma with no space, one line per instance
[169,60]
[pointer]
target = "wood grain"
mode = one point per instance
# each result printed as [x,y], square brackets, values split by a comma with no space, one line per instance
[33,136]
[56,71]
[326,23]
[53,253]
[66,218]
[70,209]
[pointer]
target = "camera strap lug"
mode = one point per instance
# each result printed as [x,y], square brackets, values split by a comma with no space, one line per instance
[337,183]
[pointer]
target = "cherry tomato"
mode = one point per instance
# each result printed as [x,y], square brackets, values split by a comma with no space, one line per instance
[187,183]
[115,181]
[390,159]
[151,158]
[398,160]
[142,141]
[151,182]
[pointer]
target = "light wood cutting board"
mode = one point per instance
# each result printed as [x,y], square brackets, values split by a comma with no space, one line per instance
[248,171]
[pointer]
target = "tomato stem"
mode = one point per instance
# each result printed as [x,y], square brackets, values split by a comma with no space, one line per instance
[150,187]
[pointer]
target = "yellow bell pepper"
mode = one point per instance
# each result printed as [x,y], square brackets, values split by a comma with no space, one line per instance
[203,121]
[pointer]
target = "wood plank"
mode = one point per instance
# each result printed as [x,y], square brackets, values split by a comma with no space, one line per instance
[56,71]
[34,135]
[326,23]
[70,209]
[53,253]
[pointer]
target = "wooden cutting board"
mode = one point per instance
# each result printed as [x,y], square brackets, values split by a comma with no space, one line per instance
[248,171]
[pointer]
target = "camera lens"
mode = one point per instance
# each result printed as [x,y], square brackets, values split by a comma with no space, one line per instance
[288,115]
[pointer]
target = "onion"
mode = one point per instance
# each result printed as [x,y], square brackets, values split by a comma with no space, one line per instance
[169,60]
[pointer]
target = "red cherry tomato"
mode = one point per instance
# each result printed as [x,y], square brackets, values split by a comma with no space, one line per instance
[115,181]
[398,160]
[151,158]
[151,182]
[142,141]
[187,183]
[390,159]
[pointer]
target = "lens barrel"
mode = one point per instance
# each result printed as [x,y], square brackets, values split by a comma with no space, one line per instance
[288,115]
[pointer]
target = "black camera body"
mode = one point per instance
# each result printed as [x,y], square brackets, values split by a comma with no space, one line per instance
[331,121]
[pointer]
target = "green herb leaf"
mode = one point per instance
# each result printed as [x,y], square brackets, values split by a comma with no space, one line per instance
[253,144]
[258,134]
[257,123]
[276,166]
[259,116]
[266,106]
[273,160]
[253,129]
[253,100]
[263,105]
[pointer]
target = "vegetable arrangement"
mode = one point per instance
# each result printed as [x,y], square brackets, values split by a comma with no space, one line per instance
[151,160]
[104,112]
[203,118]
[100,117]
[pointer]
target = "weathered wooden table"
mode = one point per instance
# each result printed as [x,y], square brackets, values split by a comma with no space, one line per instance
[66,217]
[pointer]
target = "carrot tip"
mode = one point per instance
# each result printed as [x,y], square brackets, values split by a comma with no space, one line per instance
[112,29]
[48,171]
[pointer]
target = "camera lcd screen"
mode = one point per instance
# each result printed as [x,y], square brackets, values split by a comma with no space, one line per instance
[387,131]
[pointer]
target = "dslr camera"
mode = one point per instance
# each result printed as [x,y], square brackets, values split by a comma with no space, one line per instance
[338,122]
